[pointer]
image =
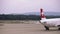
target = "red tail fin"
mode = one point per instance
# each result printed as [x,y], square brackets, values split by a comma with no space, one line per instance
[42,14]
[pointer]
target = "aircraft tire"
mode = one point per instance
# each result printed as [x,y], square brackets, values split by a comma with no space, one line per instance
[58,28]
[47,28]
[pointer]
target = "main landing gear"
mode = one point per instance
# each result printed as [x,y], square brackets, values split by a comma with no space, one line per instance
[58,28]
[47,28]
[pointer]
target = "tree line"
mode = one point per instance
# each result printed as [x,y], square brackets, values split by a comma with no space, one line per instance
[23,17]
[19,17]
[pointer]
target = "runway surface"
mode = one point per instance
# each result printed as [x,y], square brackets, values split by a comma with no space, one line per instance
[26,29]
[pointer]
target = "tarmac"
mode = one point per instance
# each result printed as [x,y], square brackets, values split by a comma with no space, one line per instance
[26,29]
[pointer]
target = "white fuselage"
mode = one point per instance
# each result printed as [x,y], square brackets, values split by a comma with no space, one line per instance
[51,22]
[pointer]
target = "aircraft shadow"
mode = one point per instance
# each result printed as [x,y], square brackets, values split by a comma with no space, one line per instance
[51,30]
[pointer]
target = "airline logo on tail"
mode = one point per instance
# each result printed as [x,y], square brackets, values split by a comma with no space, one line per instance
[42,14]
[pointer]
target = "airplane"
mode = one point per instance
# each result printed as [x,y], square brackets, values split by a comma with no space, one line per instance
[47,23]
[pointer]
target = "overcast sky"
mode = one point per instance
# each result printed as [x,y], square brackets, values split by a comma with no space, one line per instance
[23,6]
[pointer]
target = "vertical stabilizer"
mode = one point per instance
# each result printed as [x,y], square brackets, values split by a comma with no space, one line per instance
[42,14]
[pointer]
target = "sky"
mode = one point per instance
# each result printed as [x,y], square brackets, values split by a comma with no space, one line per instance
[24,6]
